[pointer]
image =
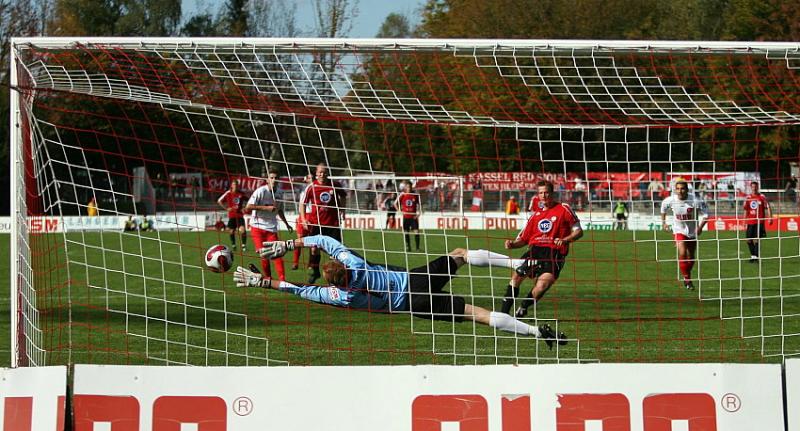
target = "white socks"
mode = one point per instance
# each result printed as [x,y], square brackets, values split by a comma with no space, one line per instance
[487,258]
[504,322]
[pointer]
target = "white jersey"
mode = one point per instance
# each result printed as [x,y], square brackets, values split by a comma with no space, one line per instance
[686,213]
[264,220]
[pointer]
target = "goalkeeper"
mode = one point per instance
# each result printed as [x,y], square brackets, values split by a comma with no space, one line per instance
[358,284]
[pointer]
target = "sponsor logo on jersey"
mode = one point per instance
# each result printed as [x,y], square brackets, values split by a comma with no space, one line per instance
[325,197]
[343,256]
[545,226]
[753,205]
[334,292]
[409,202]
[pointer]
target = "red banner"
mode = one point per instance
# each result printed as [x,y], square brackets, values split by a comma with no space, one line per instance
[784,224]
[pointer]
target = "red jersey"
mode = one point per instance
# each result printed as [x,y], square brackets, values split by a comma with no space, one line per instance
[755,208]
[535,204]
[546,224]
[409,204]
[322,202]
[234,201]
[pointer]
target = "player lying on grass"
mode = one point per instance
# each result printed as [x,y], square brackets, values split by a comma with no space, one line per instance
[358,284]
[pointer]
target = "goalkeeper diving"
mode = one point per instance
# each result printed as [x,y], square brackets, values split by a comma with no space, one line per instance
[358,284]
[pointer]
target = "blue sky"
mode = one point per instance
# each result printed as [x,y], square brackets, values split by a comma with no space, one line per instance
[369,20]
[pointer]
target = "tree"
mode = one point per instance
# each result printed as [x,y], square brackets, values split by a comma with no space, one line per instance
[236,18]
[395,26]
[115,18]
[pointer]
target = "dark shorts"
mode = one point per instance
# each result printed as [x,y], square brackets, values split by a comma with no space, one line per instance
[621,217]
[334,232]
[427,297]
[235,222]
[548,260]
[755,231]
[410,224]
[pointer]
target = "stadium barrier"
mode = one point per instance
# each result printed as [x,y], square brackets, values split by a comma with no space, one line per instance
[377,221]
[643,397]
[33,398]
[792,385]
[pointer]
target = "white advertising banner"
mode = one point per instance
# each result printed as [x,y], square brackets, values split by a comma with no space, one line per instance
[637,397]
[32,398]
[49,224]
[793,393]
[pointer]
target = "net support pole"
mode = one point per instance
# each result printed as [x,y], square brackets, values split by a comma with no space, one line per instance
[14,185]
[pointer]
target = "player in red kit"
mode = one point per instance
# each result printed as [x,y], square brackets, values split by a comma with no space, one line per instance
[300,225]
[265,210]
[548,233]
[410,208]
[321,210]
[233,201]
[756,212]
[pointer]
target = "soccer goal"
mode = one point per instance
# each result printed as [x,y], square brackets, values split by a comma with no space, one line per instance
[111,133]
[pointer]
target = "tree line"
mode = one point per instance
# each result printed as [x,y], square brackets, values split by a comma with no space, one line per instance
[745,20]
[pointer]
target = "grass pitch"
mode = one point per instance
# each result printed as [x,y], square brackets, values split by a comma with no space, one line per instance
[146,299]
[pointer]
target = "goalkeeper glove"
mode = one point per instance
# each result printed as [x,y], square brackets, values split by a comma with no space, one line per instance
[246,278]
[275,249]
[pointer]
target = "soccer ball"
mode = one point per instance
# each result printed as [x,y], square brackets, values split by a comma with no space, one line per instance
[219,258]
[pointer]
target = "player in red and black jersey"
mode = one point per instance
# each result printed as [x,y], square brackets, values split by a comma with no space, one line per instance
[756,212]
[233,201]
[410,208]
[321,209]
[548,233]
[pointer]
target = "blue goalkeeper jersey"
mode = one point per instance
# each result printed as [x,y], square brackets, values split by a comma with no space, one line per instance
[339,297]
[375,281]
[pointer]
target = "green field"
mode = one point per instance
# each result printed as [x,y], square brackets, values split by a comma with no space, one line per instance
[132,299]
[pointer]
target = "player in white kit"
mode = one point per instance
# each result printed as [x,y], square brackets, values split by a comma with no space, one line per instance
[689,218]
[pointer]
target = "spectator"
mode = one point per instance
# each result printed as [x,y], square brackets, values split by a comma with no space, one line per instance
[620,214]
[390,206]
[791,189]
[654,189]
[579,193]
[91,207]
[512,207]
[146,224]
[130,225]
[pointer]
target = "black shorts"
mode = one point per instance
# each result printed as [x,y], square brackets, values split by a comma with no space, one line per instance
[621,217]
[548,260]
[235,222]
[427,297]
[334,232]
[410,224]
[755,231]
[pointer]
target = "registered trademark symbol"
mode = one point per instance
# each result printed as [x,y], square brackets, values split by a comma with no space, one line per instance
[243,406]
[731,402]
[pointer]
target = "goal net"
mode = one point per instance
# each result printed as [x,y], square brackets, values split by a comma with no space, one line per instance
[111,131]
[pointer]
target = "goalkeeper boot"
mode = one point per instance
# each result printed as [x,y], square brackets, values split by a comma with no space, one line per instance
[550,336]
[521,312]
[687,283]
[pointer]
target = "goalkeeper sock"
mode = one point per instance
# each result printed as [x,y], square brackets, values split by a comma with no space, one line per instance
[244,239]
[755,249]
[486,258]
[504,322]
[408,241]
[416,239]
[233,239]
[508,300]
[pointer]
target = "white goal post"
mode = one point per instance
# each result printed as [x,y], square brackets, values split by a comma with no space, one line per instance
[91,118]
